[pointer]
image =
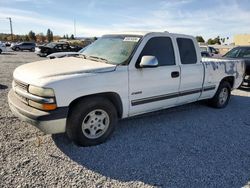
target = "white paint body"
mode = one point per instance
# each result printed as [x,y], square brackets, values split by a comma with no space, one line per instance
[73,77]
[3,47]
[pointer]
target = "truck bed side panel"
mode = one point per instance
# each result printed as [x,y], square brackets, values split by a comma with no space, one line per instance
[217,69]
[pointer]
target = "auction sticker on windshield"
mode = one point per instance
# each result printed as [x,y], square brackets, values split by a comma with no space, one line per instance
[131,39]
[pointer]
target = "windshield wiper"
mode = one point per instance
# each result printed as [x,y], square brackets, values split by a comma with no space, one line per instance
[99,58]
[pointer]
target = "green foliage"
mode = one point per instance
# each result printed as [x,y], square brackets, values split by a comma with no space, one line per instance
[49,35]
[26,38]
[216,40]
[32,36]
[200,39]
[72,37]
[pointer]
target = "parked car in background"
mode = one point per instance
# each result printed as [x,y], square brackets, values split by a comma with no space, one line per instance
[24,46]
[211,50]
[53,47]
[205,54]
[242,52]
[2,47]
[7,44]
[65,54]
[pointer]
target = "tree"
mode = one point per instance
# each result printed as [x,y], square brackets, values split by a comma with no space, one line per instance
[217,40]
[67,36]
[200,39]
[40,37]
[26,38]
[49,35]
[32,36]
[210,41]
[72,37]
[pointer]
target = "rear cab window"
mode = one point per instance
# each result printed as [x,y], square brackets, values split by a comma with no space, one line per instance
[187,51]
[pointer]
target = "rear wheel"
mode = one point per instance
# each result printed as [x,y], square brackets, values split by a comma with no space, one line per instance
[91,121]
[17,49]
[222,96]
[32,49]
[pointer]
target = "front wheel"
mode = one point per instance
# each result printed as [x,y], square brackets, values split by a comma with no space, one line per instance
[91,121]
[222,96]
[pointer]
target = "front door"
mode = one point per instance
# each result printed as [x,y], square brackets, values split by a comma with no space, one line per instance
[154,88]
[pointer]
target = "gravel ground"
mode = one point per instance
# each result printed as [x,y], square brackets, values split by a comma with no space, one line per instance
[188,146]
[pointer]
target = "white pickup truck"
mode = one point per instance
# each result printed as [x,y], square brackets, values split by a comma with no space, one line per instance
[119,76]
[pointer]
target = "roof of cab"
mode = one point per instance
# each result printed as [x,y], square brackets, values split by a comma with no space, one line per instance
[143,33]
[139,33]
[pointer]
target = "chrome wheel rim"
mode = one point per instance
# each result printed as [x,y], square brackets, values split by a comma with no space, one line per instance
[95,124]
[223,96]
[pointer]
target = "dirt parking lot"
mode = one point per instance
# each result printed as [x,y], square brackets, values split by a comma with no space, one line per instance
[188,146]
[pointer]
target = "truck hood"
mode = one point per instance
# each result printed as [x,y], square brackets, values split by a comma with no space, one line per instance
[30,72]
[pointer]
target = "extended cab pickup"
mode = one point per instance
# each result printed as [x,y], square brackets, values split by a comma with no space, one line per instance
[119,76]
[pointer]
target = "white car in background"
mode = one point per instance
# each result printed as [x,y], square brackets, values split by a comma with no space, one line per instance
[2,47]
[65,54]
[211,50]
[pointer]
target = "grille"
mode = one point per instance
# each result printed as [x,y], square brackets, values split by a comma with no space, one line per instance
[21,98]
[21,85]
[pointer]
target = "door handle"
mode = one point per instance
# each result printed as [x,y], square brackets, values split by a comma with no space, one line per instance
[175,74]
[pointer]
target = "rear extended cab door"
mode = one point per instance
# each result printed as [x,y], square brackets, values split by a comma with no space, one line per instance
[155,88]
[191,69]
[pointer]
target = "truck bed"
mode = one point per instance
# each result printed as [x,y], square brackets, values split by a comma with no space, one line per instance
[216,69]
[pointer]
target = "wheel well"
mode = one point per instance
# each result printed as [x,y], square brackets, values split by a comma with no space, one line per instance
[229,79]
[111,96]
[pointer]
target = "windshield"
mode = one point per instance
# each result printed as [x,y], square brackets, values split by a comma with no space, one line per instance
[51,45]
[114,49]
[243,52]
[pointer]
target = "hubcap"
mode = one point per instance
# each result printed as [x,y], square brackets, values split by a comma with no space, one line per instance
[223,96]
[95,124]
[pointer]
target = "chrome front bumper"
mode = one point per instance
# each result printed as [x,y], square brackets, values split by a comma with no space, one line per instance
[50,122]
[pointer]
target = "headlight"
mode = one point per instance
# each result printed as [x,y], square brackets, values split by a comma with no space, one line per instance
[42,92]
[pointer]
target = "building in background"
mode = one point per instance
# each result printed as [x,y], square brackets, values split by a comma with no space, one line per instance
[242,40]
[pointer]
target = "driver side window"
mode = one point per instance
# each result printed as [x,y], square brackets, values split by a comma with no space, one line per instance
[161,48]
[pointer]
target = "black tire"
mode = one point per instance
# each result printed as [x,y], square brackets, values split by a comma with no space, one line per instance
[77,117]
[17,49]
[0,51]
[32,49]
[217,101]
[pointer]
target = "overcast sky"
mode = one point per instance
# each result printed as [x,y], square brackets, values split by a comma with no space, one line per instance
[96,17]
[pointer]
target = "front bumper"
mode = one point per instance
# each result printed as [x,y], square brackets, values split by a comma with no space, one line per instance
[50,122]
[39,53]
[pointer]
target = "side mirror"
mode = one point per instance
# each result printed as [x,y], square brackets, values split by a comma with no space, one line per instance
[148,62]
